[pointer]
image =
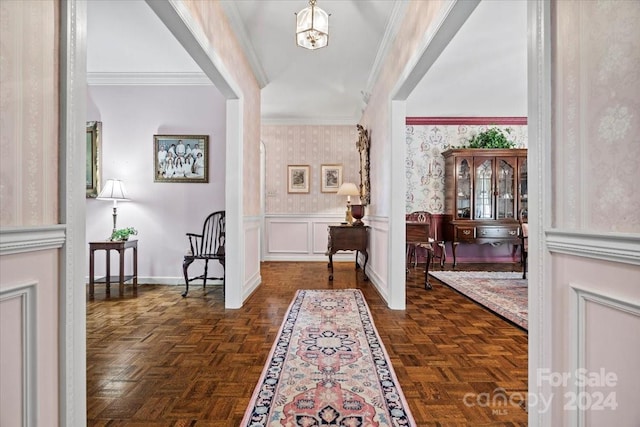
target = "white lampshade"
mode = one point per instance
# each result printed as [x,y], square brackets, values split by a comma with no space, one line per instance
[312,27]
[113,190]
[348,189]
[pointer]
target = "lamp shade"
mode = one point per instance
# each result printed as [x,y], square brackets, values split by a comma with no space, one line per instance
[312,27]
[113,190]
[348,189]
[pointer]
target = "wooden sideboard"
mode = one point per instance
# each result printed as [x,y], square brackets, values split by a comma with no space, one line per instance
[348,238]
[484,191]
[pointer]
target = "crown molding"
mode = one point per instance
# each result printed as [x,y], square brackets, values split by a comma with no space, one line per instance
[317,121]
[393,26]
[235,20]
[148,79]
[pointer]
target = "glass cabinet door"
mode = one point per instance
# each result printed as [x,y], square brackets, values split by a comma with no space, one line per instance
[505,183]
[522,187]
[483,189]
[463,188]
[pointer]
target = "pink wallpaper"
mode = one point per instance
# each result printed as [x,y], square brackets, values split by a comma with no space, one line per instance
[313,146]
[425,164]
[597,115]
[29,197]
[215,25]
[28,112]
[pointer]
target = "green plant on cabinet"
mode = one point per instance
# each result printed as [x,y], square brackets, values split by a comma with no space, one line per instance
[123,234]
[491,138]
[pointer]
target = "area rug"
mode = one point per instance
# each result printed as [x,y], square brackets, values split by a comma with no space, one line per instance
[504,293]
[328,367]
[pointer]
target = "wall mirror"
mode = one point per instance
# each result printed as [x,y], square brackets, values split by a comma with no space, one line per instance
[363,148]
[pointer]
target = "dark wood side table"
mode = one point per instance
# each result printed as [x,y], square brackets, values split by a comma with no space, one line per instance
[121,247]
[348,238]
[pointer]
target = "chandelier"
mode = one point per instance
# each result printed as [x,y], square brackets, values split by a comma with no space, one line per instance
[312,27]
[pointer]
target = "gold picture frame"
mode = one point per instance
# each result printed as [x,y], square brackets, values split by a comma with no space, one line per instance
[330,178]
[181,158]
[298,178]
[363,144]
[94,151]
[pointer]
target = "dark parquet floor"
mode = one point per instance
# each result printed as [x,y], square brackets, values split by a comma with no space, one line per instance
[157,359]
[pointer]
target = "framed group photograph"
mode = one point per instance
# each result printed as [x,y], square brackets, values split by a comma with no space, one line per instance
[330,178]
[298,179]
[94,131]
[181,158]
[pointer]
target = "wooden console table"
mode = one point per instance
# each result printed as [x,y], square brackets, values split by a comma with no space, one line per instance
[121,247]
[348,238]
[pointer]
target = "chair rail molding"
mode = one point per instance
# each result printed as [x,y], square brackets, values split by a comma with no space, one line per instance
[16,240]
[616,247]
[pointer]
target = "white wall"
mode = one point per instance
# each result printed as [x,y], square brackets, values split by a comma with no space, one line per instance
[482,71]
[162,212]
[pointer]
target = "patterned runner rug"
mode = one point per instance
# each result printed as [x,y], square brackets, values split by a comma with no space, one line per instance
[328,367]
[504,293]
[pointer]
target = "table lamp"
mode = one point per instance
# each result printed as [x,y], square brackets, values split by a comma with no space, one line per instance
[114,190]
[348,189]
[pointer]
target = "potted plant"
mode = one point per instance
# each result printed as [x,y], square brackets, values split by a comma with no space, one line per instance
[491,138]
[123,234]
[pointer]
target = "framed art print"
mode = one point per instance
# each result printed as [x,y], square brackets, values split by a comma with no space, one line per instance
[330,178]
[181,158]
[298,179]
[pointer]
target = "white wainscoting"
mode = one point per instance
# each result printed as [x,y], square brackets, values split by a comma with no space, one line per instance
[378,267]
[252,276]
[611,321]
[300,237]
[18,348]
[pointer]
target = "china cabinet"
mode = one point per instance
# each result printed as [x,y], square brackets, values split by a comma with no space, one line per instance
[485,189]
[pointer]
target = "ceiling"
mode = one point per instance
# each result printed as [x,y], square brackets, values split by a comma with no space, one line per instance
[128,44]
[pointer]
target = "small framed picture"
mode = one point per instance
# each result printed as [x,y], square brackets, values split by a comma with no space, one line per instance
[181,158]
[298,179]
[330,178]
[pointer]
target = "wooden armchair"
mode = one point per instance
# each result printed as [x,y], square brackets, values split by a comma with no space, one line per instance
[417,236]
[206,246]
[413,251]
